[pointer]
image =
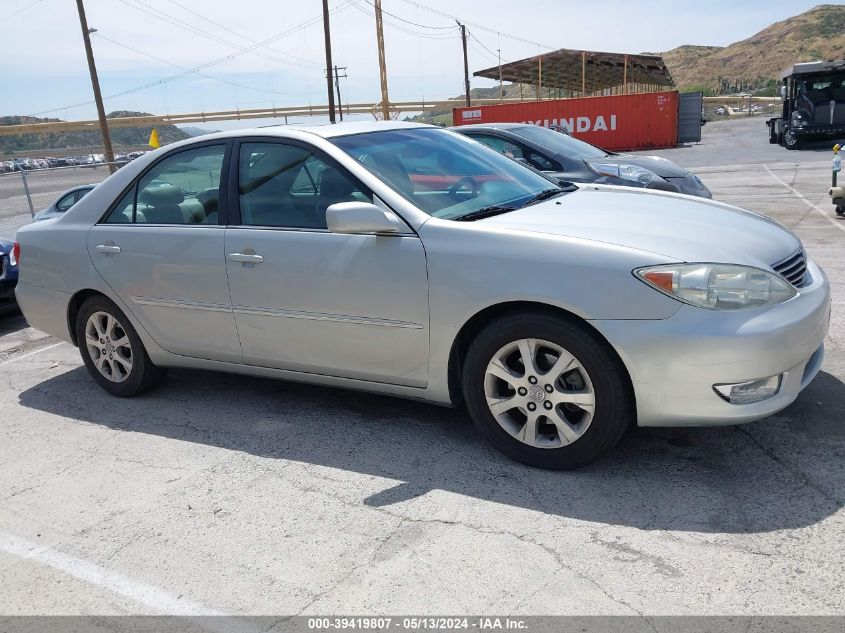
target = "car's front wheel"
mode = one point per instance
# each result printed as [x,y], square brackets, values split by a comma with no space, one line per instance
[546,390]
[112,351]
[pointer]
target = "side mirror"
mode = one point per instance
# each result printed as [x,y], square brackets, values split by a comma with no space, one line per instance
[783,93]
[360,218]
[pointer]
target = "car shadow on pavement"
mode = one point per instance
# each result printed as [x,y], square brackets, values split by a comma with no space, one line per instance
[783,472]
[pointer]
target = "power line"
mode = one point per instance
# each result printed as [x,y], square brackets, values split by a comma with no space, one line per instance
[21,10]
[492,54]
[476,25]
[241,35]
[185,26]
[429,36]
[294,29]
[194,71]
[424,26]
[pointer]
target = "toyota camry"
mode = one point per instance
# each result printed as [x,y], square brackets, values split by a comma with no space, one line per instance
[409,260]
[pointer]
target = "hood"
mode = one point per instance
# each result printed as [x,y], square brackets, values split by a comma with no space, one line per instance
[675,226]
[663,167]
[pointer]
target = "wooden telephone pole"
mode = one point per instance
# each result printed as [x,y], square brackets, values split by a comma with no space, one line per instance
[328,37]
[382,65]
[466,61]
[95,84]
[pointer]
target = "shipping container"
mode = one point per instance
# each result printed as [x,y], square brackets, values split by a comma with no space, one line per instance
[617,122]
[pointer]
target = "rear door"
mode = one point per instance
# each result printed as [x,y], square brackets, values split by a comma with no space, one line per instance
[161,250]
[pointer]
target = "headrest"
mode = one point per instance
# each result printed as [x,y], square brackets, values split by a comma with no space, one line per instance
[161,194]
[334,184]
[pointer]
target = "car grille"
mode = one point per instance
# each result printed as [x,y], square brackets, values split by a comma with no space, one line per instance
[794,269]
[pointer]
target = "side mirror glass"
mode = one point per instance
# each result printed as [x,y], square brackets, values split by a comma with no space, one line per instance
[360,218]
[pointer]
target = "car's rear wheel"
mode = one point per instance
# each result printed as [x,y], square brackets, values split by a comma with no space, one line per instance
[112,351]
[546,390]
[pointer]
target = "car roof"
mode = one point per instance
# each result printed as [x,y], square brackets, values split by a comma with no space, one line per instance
[488,126]
[327,130]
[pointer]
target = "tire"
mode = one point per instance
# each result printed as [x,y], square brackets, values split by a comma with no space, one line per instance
[792,142]
[127,369]
[566,434]
[773,136]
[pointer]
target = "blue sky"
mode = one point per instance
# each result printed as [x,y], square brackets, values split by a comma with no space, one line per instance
[141,42]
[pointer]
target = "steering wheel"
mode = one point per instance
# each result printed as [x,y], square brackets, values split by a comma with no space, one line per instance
[466,180]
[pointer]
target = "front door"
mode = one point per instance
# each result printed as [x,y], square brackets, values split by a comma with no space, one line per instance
[161,250]
[308,300]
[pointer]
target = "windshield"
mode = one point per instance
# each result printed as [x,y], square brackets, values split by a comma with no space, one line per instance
[558,143]
[444,174]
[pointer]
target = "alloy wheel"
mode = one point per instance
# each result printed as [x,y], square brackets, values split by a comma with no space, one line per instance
[539,393]
[108,346]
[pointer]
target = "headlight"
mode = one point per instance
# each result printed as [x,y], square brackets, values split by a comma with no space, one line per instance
[718,286]
[625,172]
[799,119]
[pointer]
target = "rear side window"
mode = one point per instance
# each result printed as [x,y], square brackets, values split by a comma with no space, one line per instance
[181,189]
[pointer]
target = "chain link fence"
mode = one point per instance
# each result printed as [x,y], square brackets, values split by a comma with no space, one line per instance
[26,192]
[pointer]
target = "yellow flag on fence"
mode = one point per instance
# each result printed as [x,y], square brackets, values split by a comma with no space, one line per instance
[154,142]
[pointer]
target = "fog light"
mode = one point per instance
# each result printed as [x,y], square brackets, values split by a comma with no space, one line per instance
[750,392]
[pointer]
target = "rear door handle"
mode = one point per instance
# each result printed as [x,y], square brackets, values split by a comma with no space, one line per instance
[107,248]
[245,258]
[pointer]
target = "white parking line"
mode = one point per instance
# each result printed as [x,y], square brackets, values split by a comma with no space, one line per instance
[32,353]
[799,195]
[156,599]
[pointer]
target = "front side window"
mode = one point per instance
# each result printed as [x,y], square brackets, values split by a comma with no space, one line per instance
[501,145]
[183,188]
[283,185]
[66,203]
[445,174]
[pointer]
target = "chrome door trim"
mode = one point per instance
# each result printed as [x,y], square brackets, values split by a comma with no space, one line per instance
[181,303]
[320,316]
[288,314]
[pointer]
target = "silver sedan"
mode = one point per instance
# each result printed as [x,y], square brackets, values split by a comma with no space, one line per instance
[409,260]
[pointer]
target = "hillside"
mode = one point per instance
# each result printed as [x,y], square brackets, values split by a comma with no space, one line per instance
[67,140]
[756,62]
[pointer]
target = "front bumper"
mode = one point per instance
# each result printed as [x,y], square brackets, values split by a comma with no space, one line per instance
[819,132]
[675,362]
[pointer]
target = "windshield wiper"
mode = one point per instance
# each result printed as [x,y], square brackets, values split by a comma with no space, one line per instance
[550,193]
[484,212]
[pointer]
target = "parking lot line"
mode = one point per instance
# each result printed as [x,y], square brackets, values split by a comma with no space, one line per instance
[803,198]
[159,600]
[32,353]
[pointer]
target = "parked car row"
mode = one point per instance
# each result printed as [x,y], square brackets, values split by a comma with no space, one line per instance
[82,160]
[414,261]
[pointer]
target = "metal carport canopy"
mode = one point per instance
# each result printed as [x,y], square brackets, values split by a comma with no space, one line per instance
[583,72]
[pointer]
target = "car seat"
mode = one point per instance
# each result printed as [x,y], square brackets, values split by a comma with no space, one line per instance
[162,204]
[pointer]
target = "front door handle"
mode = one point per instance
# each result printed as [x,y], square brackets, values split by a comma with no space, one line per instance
[107,248]
[245,258]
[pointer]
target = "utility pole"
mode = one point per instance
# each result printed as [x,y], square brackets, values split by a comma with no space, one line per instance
[501,89]
[95,84]
[466,61]
[382,64]
[337,78]
[328,36]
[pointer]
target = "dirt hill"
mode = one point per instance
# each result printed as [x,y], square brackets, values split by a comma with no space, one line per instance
[755,63]
[129,137]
